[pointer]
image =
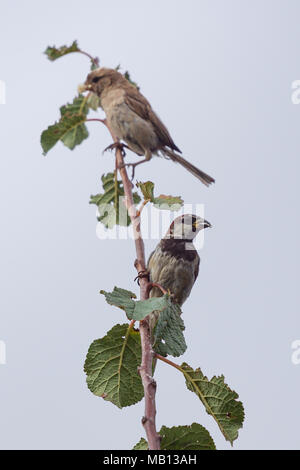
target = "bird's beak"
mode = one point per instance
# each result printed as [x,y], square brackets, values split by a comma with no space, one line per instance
[207,224]
[84,87]
[202,224]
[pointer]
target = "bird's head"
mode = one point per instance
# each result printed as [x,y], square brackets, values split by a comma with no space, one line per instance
[186,227]
[100,79]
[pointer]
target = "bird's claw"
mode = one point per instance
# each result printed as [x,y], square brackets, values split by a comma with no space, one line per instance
[115,146]
[141,275]
[133,165]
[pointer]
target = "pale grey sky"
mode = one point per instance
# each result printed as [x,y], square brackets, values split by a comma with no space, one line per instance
[219,75]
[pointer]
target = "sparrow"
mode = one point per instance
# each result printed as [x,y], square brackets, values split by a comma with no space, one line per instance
[131,118]
[174,264]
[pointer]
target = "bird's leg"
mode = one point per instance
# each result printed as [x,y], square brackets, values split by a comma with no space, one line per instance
[148,156]
[117,145]
[133,165]
[142,274]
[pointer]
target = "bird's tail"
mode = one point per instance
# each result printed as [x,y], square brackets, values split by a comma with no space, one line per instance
[203,177]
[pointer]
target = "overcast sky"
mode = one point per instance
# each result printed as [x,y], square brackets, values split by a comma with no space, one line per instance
[219,75]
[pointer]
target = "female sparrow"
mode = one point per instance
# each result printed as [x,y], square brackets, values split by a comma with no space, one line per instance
[130,117]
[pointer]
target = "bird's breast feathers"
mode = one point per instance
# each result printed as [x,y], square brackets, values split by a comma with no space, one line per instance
[128,126]
[173,272]
[112,97]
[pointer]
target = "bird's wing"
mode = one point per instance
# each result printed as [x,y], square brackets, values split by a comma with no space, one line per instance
[149,260]
[196,269]
[141,106]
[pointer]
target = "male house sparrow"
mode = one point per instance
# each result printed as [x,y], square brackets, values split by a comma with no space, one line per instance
[131,119]
[174,264]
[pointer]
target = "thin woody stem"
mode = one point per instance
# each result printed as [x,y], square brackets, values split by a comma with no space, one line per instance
[95,119]
[131,324]
[139,211]
[167,361]
[95,60]
[155,284]
[145,370]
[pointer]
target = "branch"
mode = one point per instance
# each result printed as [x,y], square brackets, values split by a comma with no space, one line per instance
[167,361]
[94,60]
[155,284]
[145,370]
[139,211]
[96,119]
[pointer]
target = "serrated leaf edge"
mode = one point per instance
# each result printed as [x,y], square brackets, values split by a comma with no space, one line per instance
[202,398]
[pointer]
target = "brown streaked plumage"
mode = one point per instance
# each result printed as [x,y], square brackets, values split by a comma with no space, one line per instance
[132,119]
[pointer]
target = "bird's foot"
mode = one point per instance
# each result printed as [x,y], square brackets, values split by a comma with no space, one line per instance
[133,165]
[141,275]
[115,146]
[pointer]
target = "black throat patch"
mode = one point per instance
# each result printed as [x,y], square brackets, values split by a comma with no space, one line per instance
[178,249]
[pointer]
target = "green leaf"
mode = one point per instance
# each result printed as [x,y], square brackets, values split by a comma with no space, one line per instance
[147,189]
[77,107]
[54,53]
[161,202]
[193,437]
[172,203]
[70,129]
[119,297]
[112,366]
[127,76]
[141,445]
[94,64]
[168,338]
[219,401]
[111,207]
[135,310]
[93,101]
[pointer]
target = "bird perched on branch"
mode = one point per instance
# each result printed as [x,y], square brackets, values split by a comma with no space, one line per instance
[174,264]
[132,119]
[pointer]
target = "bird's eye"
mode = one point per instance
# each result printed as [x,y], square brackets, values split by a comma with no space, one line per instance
[194,224]
[96,79]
